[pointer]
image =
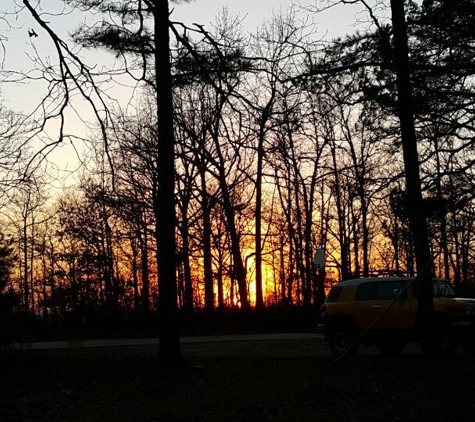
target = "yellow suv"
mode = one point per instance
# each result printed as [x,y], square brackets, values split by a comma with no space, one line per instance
[383,311]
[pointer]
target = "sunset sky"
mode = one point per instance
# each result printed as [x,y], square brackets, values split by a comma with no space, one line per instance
[21,50]
[19,47]
[334,22]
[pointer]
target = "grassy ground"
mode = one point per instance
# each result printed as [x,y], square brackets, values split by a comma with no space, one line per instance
[259,380]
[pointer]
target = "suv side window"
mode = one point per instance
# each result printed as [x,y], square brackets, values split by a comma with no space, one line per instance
[390,289]
[379,290]
[367,291]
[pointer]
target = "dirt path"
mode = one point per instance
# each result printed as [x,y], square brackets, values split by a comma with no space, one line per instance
[184,340]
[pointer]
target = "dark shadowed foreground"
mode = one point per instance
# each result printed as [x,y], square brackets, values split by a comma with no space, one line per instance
[258,380]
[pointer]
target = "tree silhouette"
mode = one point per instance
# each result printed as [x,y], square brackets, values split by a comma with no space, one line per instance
[149,45]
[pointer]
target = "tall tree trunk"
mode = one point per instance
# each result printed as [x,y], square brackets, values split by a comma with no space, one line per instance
[188,294]
[323,238]
[135,254]
[413,181]
[145,272]
[25,265]
[207,256]
[239,271]
[258,214]
[31,265]
[164,204]
[342,238]
[442,211]
[219,280]
[364,223]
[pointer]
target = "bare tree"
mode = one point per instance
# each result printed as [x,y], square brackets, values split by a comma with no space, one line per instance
[152,47]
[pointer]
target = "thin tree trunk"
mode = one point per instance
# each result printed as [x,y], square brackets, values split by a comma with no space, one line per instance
[207,256]
[25,266]
[145,273]
[258,214]
[442,212]
[258,217]
[188,284]
[342,238]
[135,277]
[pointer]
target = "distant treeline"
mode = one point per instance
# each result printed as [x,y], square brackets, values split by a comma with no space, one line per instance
[283,146]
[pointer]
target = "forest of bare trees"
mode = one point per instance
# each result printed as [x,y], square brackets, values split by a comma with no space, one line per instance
[284,144]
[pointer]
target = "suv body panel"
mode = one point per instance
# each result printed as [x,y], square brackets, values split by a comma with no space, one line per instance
[355,304]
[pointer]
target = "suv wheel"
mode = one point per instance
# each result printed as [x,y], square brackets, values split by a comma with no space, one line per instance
[340,341]
[445,341]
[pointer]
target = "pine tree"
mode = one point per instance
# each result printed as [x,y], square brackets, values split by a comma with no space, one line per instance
[144,35]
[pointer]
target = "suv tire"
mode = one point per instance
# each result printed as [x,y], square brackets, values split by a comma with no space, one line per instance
[341,340]
[445,339]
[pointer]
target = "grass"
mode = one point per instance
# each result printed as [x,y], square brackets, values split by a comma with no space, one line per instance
[258,380]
